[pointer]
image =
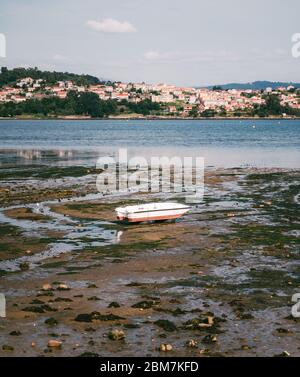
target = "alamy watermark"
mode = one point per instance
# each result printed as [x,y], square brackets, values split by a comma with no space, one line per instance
[2,305]
[296,307]
[296,45]
[155,174]
[2,46]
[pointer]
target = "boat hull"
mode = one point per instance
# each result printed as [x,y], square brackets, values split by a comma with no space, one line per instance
[139,217]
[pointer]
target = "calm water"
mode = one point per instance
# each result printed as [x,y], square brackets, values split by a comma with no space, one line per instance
[269,143]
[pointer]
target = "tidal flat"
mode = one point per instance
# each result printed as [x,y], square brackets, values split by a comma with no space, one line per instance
[218,282]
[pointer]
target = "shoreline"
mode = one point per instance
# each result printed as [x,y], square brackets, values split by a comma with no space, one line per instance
[150,118]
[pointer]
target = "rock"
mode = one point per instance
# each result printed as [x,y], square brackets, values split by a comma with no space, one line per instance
[89,317]
[116,334]
[192,343]
[15,333]
[54,343]
[283,331]
[84,318]
[145,304]
[209,339]
[63,299]
[51,321]
[92,286]
[37,302]
[7,347]
[110,317]
[114,304]
[284,354]
[39,309]
[28,251]
[245,347]
[165,347]
[63,287]
[47,287]
[24,266]
[166,325]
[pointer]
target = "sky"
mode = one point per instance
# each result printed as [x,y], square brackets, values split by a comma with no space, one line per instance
[191,42]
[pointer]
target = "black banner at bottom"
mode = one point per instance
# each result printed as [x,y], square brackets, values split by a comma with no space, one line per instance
[134,366]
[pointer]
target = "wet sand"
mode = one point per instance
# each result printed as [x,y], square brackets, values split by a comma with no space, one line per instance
[217,282]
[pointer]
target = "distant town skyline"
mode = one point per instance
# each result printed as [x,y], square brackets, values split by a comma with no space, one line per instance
[195,43]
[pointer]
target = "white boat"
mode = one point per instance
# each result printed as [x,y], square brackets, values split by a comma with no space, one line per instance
[151,212]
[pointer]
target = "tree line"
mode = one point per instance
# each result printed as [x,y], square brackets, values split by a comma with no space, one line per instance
[76,104]
[11,76]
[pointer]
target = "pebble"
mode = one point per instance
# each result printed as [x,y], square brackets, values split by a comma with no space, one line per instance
[63,287]
[6,347]
[192,343]
[47,287]
[54,343]
[165,347]
[116,334]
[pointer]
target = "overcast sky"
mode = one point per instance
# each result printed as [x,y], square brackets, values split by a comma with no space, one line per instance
[190,42]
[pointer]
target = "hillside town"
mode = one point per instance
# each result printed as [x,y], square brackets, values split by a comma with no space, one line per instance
[174,101]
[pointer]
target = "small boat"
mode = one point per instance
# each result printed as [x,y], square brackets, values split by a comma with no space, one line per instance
[151,212]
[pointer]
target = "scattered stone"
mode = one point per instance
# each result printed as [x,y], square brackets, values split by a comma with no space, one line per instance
[209,339]
[245,347]
[166,325]
[165,347]
[92,286]
[116,334]
[54,343]
[15,333]
[62,299]
[39,309]
[7,347]
[114,304]
[47,287]
[192,343]
[283,354]
[109,317]
[37,302]
[84,318]
[284,331]
[89,317]
[24,266]
[63,287]
[145,304]
[51,321]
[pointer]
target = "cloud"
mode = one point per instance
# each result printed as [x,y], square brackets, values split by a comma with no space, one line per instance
[152,55]
[110,25]
[190,56]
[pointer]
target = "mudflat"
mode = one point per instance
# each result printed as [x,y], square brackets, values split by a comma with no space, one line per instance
[219,281]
